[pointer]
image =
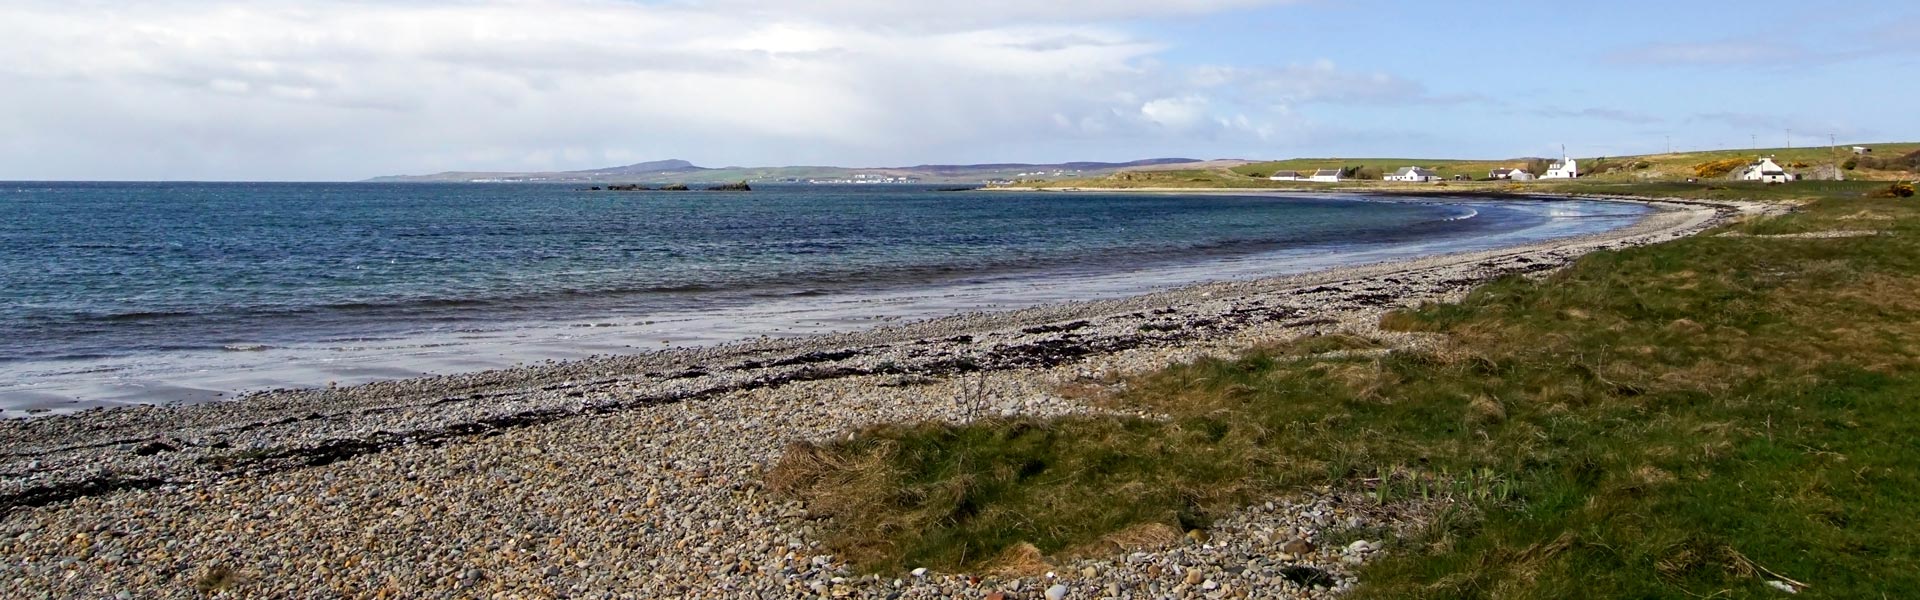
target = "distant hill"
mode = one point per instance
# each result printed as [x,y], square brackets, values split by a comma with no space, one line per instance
[680,171]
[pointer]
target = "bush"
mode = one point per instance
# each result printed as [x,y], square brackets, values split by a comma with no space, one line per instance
[1851,164]
[1718,168]
[1899,190]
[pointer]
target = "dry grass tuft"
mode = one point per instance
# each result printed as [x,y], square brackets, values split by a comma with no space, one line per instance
[1021,560]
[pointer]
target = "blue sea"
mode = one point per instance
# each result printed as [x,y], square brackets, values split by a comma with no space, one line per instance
[117,293]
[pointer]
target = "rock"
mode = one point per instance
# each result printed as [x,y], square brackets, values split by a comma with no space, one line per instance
[676,187]
[920,572]
[1194,577]
[731,187]
[1198,536]
[1297,547]
[1360,547]
[1057,592]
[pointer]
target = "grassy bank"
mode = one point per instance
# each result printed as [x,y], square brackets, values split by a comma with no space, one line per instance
[1684,420]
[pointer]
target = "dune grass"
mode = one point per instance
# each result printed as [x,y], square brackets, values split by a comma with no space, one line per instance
[1690,419]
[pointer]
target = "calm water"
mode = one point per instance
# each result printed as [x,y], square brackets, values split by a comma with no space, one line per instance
[123,292]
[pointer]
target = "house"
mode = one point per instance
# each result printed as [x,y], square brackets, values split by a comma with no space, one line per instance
[1765,170]
[1512,174]
[1567,168]
[1287,176]
[1414,174]
[1325,176]
[1862,150]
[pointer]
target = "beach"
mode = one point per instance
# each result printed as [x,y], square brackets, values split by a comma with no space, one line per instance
[639,475]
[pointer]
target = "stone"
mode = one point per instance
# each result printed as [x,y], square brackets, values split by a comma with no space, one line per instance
[1297,547]
[1057,592]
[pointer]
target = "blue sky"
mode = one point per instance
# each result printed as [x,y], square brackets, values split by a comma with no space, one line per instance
[325,90]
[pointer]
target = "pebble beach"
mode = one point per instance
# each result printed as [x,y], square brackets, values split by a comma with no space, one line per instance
[640,476]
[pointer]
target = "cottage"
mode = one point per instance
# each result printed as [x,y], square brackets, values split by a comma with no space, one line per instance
[1862,150]
[1287,176]
[1325,176]
[1567,168]
[1511,174]
[1414,174]
[1765,170]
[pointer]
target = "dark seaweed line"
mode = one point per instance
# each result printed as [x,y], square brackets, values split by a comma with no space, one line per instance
[1038,354]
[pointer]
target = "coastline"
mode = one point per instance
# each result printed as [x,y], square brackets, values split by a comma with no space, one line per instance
[701,422]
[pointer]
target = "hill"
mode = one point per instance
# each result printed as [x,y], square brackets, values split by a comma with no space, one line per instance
[680,171]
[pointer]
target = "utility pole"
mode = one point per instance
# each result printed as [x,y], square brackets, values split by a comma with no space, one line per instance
[1753,141]
[1789,139]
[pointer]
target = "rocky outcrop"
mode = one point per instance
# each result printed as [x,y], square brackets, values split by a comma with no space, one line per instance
[731,187]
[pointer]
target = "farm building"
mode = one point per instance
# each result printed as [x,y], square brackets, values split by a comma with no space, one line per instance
[1287,176]
[1413,174]
[1325,176]
[1511,174]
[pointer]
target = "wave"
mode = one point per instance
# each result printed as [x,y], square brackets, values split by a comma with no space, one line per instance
[1471,213]
[247,347]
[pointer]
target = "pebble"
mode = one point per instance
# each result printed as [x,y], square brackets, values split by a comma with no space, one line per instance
[639,476]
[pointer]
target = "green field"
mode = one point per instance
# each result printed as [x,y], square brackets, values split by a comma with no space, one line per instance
[1673,167]
[1685,420]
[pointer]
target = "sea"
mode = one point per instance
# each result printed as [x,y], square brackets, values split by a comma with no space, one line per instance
[158,293]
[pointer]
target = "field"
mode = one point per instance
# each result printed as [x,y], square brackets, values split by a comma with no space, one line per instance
[1673,167]
[1692,419]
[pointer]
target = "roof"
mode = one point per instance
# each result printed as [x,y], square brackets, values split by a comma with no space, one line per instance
[1326,172]
[1405,171]
[1286,173]
[1504,171]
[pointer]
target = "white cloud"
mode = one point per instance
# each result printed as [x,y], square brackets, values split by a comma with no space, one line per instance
[287,89]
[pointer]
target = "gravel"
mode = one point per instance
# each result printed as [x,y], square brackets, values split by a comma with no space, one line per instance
[639,476]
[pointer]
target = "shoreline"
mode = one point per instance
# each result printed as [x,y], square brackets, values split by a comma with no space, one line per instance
[727,410]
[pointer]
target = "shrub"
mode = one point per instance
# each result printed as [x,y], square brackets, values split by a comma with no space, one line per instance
[1900,189]
[1851,164]
[1718,168]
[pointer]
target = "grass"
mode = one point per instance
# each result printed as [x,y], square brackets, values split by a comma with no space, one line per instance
[1617,170]
[1690,419]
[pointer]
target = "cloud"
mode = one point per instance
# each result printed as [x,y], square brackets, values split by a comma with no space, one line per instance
[291,89]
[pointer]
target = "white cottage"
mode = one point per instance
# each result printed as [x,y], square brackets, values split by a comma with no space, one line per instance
[1287,176]
[1765,170]
[1511,174]
[1567,168]
[1325,176]
[1413,174]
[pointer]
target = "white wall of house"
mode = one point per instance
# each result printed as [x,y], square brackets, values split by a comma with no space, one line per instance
[1565,169]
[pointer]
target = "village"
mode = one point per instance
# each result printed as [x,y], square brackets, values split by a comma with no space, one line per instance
[1763,169]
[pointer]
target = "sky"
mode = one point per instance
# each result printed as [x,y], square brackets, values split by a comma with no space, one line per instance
[311,90]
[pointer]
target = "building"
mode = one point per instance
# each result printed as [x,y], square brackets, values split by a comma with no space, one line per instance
[1287,176]
[1325,176]
[1862,150]
[1567,168]
[1765,170]
[1413,174]
[1511,174]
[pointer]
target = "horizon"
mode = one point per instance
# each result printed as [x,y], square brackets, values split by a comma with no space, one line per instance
[215,90]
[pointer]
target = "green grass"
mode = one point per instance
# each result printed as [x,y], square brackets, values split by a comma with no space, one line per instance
[1671,421]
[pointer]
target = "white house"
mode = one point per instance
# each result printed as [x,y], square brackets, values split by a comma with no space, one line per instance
[1414,174]
[1287,176]
[1765,170]
[1567,168]
[1512,174]
[1325,176]
[1862,150]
